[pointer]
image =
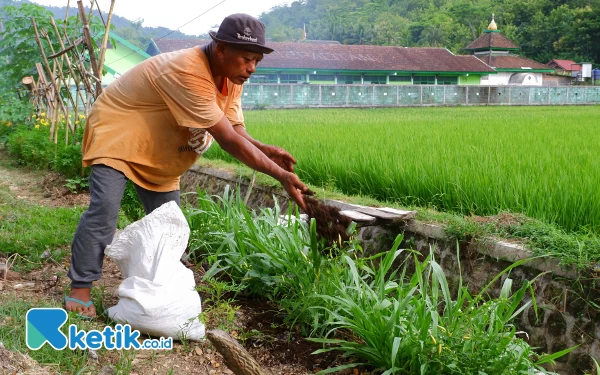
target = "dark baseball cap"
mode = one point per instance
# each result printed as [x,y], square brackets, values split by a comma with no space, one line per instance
[243,30]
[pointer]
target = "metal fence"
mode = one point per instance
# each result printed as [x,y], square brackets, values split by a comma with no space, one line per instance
[290,96]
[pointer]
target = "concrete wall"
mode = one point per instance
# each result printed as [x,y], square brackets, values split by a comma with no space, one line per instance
[568,301]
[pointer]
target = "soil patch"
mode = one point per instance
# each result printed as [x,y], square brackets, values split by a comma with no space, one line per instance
[261,327]
[331,225]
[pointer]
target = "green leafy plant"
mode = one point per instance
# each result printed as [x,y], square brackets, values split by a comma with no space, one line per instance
[380,315]
[131,205]
[411,325]
[78,184]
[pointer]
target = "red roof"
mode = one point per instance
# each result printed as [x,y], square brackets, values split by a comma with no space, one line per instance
[511,62]
[367,57]
[492,40]
[569,65]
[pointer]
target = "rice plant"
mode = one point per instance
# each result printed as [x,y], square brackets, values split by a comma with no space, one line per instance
[540,161]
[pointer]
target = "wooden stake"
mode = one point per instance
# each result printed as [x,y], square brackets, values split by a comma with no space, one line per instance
[71,71]
[105,40]
[58,67]
[90,46]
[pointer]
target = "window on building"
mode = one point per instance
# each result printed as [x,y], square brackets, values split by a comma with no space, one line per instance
[322,77]
[401,79]
[375,80]
[348,79]
[292,78]
[424,80]
[447,80]
[263,78]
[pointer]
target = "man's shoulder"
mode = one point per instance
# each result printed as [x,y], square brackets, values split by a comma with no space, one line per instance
[189,60]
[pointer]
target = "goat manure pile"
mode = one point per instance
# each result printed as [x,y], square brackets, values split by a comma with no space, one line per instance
[331,225]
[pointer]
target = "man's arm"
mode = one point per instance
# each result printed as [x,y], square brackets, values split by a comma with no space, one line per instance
[280,156]
[248,153]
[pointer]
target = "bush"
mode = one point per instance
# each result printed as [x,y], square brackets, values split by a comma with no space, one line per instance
[367,308]
[31,147]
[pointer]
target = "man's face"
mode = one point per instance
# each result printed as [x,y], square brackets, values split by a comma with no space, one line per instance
[239,64]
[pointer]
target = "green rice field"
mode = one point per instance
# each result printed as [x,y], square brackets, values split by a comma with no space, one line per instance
[540,161]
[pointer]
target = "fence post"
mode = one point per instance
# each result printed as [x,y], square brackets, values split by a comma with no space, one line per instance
[509,94]
[373,97]
[347,95]
[421,93]
[568,94]
[489,93]
[467,95]
[320,94]
[585,95]
[291,94]
[260,94]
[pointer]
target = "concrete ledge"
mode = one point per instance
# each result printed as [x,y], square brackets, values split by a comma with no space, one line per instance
[365,216]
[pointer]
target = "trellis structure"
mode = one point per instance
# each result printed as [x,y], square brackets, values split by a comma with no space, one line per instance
[74,66]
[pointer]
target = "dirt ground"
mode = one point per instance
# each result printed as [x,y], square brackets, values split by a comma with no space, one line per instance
[276,348]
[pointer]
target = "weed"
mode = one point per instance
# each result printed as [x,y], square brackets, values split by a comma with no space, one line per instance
[77,184]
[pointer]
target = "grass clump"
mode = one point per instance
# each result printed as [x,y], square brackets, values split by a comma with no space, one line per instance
[369,308]
[29,229]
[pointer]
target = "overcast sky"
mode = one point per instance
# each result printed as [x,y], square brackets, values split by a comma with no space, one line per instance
[174,13]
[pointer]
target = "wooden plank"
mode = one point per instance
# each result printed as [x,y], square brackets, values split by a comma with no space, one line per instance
[358,217]
[341,205]
[378,214]
[406,215]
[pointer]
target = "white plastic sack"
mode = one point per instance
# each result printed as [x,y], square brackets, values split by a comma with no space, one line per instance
[158,294]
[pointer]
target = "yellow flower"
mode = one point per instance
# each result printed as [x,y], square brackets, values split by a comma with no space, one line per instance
[440,349]
[70,116]
[33,117]
[76,122]
[43,114]
[9,123]
[467,337]
[81,116]
[37,126]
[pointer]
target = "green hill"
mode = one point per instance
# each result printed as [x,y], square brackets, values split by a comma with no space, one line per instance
[545,29]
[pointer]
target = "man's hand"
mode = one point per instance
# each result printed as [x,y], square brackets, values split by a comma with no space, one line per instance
[295,188]
[250,152]
[280,156]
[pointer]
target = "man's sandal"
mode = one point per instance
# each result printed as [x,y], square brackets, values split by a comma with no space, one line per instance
[80,302]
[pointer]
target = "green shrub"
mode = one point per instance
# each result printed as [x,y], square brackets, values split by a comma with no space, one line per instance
[365,307]
[31,147]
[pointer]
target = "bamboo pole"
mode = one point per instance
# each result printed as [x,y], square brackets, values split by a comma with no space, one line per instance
[47,65]
[107,27]
[90,46]
[99,11]
[71,71]
[66,18]
[64,81]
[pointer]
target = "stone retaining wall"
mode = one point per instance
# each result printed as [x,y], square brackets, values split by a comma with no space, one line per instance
[568,301]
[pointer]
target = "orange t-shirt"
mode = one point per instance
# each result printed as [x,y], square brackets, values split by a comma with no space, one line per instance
[151,123]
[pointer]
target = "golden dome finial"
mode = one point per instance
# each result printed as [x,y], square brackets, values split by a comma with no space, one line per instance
[492,26]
